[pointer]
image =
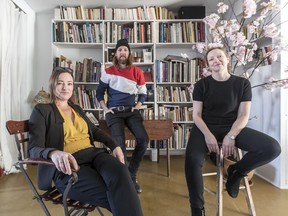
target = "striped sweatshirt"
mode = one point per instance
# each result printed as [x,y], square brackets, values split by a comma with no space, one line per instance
[122,86]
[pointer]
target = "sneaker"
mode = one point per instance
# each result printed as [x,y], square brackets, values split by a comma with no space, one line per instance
[137,186]
[233,181]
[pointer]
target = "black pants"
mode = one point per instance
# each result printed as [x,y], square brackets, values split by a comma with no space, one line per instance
[260,148]
[133,120]
[102,181]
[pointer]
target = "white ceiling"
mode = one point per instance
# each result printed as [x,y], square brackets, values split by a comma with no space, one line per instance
[40,6]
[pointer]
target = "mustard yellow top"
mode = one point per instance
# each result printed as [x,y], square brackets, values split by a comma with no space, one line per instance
[76,135]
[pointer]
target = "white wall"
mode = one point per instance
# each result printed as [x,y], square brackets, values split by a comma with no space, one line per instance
[271,109]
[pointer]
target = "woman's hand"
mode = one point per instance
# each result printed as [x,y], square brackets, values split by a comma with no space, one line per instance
[228,146]
[117,152]
[64,161]
[212,143]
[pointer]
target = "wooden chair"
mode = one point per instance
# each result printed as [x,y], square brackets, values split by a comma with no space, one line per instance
[20,130]
[220,190]
[156,130]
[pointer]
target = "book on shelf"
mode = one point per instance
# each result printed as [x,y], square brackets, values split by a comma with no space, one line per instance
[110,52]
[92,118]
[175,58]
[148,75]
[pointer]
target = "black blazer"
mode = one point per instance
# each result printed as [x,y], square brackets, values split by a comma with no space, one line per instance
[46,134]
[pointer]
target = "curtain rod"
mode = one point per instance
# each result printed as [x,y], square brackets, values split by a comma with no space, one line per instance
[20,9]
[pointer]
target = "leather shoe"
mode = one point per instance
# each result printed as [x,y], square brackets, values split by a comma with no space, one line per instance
[233,181]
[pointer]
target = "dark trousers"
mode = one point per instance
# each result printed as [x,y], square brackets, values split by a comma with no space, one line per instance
[102,181]
[133,120]
[260,149]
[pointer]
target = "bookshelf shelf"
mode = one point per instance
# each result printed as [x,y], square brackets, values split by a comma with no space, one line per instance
[78,45]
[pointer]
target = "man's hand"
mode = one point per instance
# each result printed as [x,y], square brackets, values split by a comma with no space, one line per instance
[117,152]
[64,162]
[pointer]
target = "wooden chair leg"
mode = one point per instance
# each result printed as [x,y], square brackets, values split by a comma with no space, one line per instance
[248,194]
[99,211]
[219,183]
[168,159]
[36,194]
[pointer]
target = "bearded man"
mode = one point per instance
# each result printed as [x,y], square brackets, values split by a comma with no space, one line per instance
[123,82]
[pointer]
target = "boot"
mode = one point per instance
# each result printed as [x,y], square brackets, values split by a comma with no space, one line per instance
[198,212]
[233,181]
[136,184]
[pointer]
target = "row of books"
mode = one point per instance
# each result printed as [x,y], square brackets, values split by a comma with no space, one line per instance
[180,32]
[179,139]
[181,136]
[100,13]
[175,113]
[135,32]
[86,98]
[88,70]
[173,94]
[77,32]
[78,13]
[176,69]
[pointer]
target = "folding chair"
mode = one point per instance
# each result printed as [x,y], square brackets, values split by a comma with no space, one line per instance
[219,189]
[20,130]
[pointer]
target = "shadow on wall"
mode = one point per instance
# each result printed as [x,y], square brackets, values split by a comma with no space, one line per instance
[268,173]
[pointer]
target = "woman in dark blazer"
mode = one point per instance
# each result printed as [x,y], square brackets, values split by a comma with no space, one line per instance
[60,131]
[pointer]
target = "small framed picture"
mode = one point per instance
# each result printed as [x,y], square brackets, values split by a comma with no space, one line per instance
[147,57]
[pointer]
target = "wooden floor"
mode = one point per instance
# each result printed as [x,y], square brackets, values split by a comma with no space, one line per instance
[161,196]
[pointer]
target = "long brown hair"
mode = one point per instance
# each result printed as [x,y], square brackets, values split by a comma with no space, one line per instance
[54,79]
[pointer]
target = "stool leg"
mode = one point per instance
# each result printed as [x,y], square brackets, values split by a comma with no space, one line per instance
[248,194]
[220,183]
[168,158]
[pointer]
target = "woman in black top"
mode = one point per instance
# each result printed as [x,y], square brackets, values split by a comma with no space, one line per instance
[221,107]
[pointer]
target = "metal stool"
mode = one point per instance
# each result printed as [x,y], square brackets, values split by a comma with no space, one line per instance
[219,190]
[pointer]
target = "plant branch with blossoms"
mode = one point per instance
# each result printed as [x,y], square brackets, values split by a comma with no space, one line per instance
[241,36]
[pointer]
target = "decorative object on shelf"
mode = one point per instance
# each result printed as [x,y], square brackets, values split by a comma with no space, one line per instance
[41,97]
[242,36]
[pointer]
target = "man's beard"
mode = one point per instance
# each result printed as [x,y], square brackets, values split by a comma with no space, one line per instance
[122,60]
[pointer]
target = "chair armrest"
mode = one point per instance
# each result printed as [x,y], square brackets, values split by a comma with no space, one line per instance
[35,161]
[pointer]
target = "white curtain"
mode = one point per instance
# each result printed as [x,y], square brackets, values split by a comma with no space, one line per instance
[13,63]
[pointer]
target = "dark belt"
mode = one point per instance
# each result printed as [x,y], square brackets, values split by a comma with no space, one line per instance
[121,109]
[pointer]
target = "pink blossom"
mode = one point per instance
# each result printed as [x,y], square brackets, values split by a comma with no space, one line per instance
[212,45]
[222,8]
[212,20]
[249,7]
[240,35]
[200,47]
[268,6]
[271,30]
[273,83]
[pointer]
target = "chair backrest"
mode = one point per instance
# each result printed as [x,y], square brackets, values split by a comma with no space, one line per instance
[20,131]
